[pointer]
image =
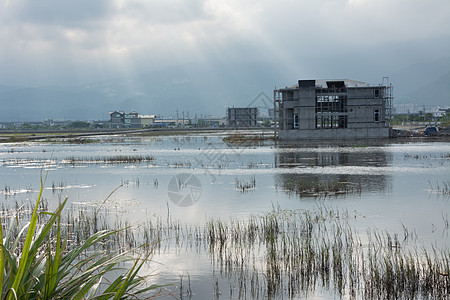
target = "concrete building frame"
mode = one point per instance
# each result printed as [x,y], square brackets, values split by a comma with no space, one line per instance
[333,109]
[242,116]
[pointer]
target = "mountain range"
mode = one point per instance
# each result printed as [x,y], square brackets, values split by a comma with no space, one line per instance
[195,89]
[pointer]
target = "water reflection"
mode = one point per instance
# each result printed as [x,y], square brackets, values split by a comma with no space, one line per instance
[322,170]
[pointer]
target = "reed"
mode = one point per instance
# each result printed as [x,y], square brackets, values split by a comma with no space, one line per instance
[116,159]
[244,186]
[292,253]
[279,254]
[442,188]
[38,260]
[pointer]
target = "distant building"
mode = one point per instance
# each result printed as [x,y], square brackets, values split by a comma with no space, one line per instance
[116,119]
[333,109]
[147,120]
[48,122]
[212,122]
[120,119]
[441,112]
[165,123]
[132,120]
[242,116]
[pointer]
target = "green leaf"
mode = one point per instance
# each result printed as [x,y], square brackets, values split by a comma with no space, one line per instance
[26,247]
[2,257]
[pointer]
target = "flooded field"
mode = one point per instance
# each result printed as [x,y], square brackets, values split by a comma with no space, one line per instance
[258,219]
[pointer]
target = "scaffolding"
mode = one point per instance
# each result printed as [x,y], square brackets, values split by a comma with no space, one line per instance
[388,98]
[276,112]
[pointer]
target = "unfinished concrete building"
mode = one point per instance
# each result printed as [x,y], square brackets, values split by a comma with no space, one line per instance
[242,116]
[333,109]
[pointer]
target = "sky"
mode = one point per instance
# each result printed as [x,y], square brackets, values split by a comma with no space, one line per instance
[63,42]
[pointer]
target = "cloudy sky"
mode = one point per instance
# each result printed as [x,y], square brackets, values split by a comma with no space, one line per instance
[59,42]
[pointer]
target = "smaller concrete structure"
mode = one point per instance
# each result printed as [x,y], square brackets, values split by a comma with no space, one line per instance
[242,116]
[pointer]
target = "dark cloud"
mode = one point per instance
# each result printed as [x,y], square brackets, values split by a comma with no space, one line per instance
[65,13]
[52,40]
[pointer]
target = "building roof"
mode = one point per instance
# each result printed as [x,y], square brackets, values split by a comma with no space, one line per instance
[116,111]
[322,83]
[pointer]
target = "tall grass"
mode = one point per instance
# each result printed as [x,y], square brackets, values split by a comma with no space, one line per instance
[279,254]
[116,159]
[38,262]
[290,254]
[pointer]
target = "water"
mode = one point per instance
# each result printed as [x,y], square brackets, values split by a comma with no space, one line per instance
[388,185]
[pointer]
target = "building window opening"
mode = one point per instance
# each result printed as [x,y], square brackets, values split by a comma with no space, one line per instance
[376,116]
[331,104]
[330,121]
[376,93]
[288,96]
[323,122]
[342,122]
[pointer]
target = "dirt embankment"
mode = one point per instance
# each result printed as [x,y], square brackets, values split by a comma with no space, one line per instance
[419,131]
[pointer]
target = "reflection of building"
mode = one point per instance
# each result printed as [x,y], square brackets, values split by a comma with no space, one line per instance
[242,116]
[318,166]
[333,109]
[120,119]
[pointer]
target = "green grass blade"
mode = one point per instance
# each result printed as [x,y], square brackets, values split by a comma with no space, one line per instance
[110,291]
[121,291]
[26,247]
[46,229]
[2,257]
[132,274]
[94,288]
[53,265]
[37,263]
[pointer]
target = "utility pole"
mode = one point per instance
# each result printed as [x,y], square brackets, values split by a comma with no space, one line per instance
[424,117]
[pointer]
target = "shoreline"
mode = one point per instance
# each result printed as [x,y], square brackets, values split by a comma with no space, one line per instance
[26,136]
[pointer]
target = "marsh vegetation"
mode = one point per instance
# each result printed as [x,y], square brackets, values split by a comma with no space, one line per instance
[272,222]
[115,159]
[282,253]
[41,257]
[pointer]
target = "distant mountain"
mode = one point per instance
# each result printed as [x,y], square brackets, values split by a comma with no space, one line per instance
[34,104]
[410,81]
[206,88]
[197,88]
[436,92]
[192,88]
